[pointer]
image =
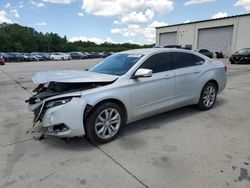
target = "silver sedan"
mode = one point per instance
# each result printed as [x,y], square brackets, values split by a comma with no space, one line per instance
[123,88]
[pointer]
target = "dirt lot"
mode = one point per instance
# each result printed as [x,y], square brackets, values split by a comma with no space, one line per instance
[181,148]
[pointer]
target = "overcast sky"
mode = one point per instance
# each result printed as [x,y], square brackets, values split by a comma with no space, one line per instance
[113,20]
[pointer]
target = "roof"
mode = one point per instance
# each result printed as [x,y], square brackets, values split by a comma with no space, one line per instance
[240,15]
[148,51]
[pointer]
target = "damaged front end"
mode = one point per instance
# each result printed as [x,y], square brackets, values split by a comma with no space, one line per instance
[58,107]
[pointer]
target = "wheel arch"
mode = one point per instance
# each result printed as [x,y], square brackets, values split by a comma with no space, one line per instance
[205,83]
[214,82]
[90,108]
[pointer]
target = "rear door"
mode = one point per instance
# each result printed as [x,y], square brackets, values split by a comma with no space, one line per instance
[187,69]
[152,94]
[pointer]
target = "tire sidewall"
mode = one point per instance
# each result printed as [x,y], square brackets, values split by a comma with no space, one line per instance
[90,122]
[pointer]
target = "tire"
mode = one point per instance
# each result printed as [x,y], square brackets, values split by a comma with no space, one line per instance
[232,62]
[62,59]
[208,96]
[98,127]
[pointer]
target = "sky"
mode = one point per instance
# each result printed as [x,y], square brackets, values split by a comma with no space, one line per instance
[116,21]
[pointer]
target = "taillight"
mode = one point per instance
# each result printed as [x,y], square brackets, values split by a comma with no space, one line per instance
[225,67]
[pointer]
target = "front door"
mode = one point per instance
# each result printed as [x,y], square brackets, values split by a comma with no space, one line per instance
[150,95]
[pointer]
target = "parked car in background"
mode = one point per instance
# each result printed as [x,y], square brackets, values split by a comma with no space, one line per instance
[123,88]
[10,57]
[27,56]
[86,54]
[205,52]
[36,56]
[78,55]
[93,55]
[67,56]
[45,55]
[2,61]
[242,56]
[104,54]
[60,56]
[30,57]
[20,57]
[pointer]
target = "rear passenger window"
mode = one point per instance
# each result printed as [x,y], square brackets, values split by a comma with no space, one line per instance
[158,63]
[182,60]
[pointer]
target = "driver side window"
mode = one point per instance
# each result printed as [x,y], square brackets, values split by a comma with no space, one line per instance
[158,63]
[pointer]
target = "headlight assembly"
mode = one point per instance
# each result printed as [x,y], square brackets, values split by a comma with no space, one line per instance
[57,102]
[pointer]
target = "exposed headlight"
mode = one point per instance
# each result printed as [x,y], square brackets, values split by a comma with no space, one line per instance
[57,102]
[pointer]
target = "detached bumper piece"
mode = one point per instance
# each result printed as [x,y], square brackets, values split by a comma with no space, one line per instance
[57,130]
[37,113]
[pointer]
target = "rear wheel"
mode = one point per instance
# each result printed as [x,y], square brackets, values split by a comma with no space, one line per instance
[208,96]
[104,123]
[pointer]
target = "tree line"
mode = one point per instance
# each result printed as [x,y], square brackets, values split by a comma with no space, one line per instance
[17,38]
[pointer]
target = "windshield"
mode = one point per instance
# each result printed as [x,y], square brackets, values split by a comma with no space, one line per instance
[117,64]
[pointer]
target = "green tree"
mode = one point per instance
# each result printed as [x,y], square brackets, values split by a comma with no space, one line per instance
[16,38]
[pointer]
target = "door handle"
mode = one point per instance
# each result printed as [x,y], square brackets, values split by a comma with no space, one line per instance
[197,71]
[168,76]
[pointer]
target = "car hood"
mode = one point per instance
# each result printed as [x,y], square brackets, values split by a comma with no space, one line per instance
[71,77]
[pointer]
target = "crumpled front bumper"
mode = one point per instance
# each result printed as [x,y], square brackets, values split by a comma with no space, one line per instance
[63,121]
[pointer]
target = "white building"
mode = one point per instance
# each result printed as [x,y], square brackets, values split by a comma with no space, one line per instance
[228,34]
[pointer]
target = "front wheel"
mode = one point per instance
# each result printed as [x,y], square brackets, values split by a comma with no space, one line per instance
[104,123]
[208,96]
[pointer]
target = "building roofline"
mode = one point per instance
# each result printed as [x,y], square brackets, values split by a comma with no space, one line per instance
[194,22]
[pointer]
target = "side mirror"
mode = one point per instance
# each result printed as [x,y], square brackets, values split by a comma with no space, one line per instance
[142,73]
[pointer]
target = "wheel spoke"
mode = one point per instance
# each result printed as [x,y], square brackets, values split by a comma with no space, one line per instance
[115,117]
[101,118]
[114,121]
[208,102]
[211,92]
[112,127]
[104,131]
[99,124]
[110,131]
[101,130]
[106,114]
[111,112]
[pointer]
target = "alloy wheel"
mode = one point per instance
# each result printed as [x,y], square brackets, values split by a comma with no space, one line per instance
[107,123]
[209,96]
